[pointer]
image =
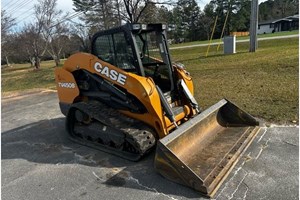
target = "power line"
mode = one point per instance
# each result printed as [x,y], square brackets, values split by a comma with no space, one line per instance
[69,17]
[23,19]
[24,12]
[12,7]
[23,3]
[19,7]
[72,16]
[76,23]
[10,2]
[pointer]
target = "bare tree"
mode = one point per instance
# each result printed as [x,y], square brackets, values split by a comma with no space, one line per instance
[135,8]
[35,32]
[80,35]
[7,22]
[44,34]
[55,29]
[57,38]
[33,43]
[104,14]
[118,5]
[206,25]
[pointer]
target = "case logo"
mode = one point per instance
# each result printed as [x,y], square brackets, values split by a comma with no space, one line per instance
[110,73]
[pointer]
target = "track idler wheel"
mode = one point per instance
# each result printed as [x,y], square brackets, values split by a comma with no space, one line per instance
[82,117]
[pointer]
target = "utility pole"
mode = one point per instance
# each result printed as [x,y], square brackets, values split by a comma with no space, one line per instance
[253,25]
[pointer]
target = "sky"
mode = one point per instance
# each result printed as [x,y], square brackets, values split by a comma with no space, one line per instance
[22,10]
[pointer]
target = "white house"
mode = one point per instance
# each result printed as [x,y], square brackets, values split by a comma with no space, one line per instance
[283,24]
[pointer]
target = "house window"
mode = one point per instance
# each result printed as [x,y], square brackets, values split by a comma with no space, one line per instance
[271,25]
[258,27]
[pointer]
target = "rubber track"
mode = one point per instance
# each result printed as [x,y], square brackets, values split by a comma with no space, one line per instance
[137,133]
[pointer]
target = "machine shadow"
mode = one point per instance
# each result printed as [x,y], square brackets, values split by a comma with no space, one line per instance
[46,142]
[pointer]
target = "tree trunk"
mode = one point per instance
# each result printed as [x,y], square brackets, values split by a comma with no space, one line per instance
[119,12]
[37,63]
[31,61]
[57,61]
[7,61]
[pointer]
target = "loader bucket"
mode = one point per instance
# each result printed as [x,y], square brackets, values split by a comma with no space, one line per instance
[202,151]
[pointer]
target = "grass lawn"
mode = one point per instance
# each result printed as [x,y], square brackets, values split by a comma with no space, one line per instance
[264,83]
[22,77]
[284,33]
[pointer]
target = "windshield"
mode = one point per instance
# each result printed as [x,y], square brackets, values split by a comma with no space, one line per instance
[151,52]
[148,48]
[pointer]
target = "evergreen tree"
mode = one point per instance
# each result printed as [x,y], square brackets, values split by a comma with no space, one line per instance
[98,14]
[187,19]
[241,19]
[207,20]
[156,14]
[275,9]
[233,14]
[150,14]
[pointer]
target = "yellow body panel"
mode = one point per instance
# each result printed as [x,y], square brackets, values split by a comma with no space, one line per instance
[143,88]
[67,88]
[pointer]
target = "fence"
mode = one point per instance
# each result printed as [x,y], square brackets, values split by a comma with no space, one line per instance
[238,34]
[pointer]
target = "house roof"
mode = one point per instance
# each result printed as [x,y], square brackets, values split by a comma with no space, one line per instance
[289,18]
[266,22]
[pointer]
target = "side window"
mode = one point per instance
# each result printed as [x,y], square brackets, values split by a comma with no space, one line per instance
[123,52]
[104,49]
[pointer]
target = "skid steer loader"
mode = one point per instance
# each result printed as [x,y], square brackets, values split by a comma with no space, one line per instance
[127,97]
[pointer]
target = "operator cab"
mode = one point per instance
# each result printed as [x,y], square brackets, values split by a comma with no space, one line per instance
[137,48]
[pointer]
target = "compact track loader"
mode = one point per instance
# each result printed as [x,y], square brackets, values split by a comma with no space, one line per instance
[127,97]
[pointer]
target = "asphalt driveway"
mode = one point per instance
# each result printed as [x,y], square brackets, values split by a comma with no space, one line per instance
[39,162]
